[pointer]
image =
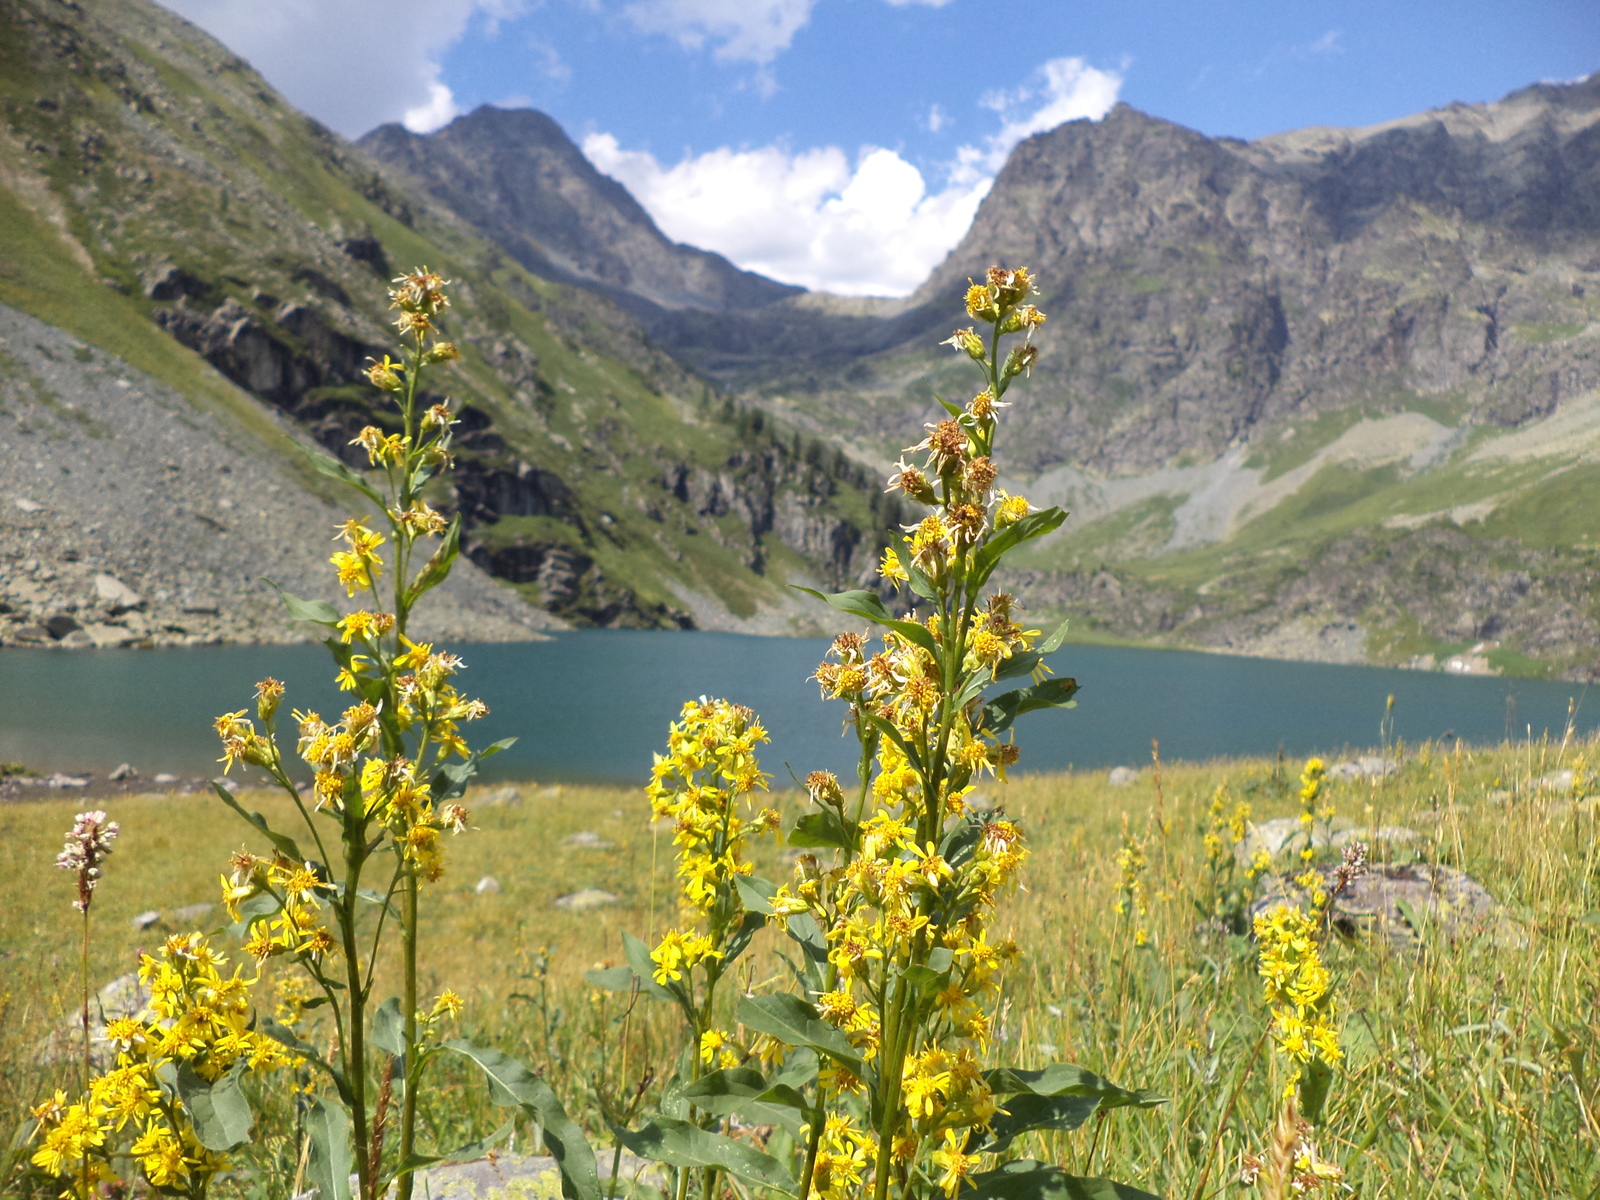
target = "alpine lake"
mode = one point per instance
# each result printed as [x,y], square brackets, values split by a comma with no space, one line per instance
[592,705]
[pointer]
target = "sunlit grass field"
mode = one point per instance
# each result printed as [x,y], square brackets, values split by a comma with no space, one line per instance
[1472,1066]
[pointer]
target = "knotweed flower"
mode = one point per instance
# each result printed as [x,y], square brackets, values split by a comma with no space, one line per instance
[88,845]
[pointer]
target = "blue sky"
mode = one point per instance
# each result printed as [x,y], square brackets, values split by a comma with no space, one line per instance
[843,144]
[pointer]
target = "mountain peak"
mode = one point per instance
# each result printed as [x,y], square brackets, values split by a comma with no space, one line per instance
[516,175]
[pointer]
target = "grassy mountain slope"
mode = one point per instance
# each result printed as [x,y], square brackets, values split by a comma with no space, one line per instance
[153,182]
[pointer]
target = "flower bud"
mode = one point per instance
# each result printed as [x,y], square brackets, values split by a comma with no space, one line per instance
[269,694]
[1020,361]
[966,340]
[385,374]
[442,352]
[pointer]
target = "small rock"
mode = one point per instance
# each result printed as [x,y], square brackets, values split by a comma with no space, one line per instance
[1122,776]
[164,779]
[147,918]
[59,780]
[78,639]
[30,635]
[585,839]
[1370,767]
[115,594]
[1556,781]
[61,624]
[109,637]
[501,797]
[531,1177]
[123,771]
[488,886]
[191,913]
[585,900]
[28,506]
[1276,836]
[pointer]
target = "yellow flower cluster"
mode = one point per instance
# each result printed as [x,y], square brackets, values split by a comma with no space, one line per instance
[197,1017]
[709,773]
[1224,829]
[1133,901]
[295,928]
[1311,791]
[1298,987]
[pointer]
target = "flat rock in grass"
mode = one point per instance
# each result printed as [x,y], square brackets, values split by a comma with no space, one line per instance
[191,913]
[1385,837]
[1278,835]
[1412,905]
[586,900]
[1370,767]
[585,839]
[530,1177]
[505,797]
[1122,776]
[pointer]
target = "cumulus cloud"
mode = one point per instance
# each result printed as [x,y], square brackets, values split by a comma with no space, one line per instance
[755,31]
[1063,89]
[868,228]
[370,61]
[871,227]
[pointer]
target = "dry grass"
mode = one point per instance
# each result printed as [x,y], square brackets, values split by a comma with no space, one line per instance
[1473,1067]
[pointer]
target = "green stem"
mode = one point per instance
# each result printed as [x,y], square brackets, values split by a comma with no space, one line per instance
[413,1077]
[356,1070]
[88,1064]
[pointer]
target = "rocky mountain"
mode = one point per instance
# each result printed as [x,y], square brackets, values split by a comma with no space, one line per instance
[170,216]
[517,176]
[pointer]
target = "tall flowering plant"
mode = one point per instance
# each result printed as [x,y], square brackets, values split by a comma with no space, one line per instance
[387,776]
[879,1064]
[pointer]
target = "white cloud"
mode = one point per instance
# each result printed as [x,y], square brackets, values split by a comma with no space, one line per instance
[936,119]
[1063,89]
[1328,43]
[810,218]
[754,31]
[368,61]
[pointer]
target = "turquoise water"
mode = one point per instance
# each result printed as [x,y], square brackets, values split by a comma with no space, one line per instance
[592,705]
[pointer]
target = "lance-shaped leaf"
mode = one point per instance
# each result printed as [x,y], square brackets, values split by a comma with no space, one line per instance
[1031,526]
[1065,1079]
[220,1113]
[756,894]
[389,1028]
[282,841]
[1027,1179]
[795,1023]
[465,1153]
[317,612]
[746,1091]
[451,780]
[437,569]
[680,1144]
[866,604]
[328,1158]
[334,469]
[612,979]
[739,940]
[512,1084]
[1052,693]
[822,828]
[644,968]
[1026,662]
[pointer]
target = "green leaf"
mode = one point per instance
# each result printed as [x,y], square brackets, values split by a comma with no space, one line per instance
[1065,1079]
[389,1028]
[888,729]
[1000,712]
[919,581]
[821,828]
[334,469]
[437,569]
[511,1083]
[756,894]
[328,1160]
[220,1113]
[451,779]
[285,1036]
[611,979]
[1027,1179]
[465,1153]
[644,968]
[1316,1079]
[1023,1114]
[795,1023]
[866,604]
[1026,662]
[282,841]
[317,612]
[680,1144]
[1031,526]
[739,940]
